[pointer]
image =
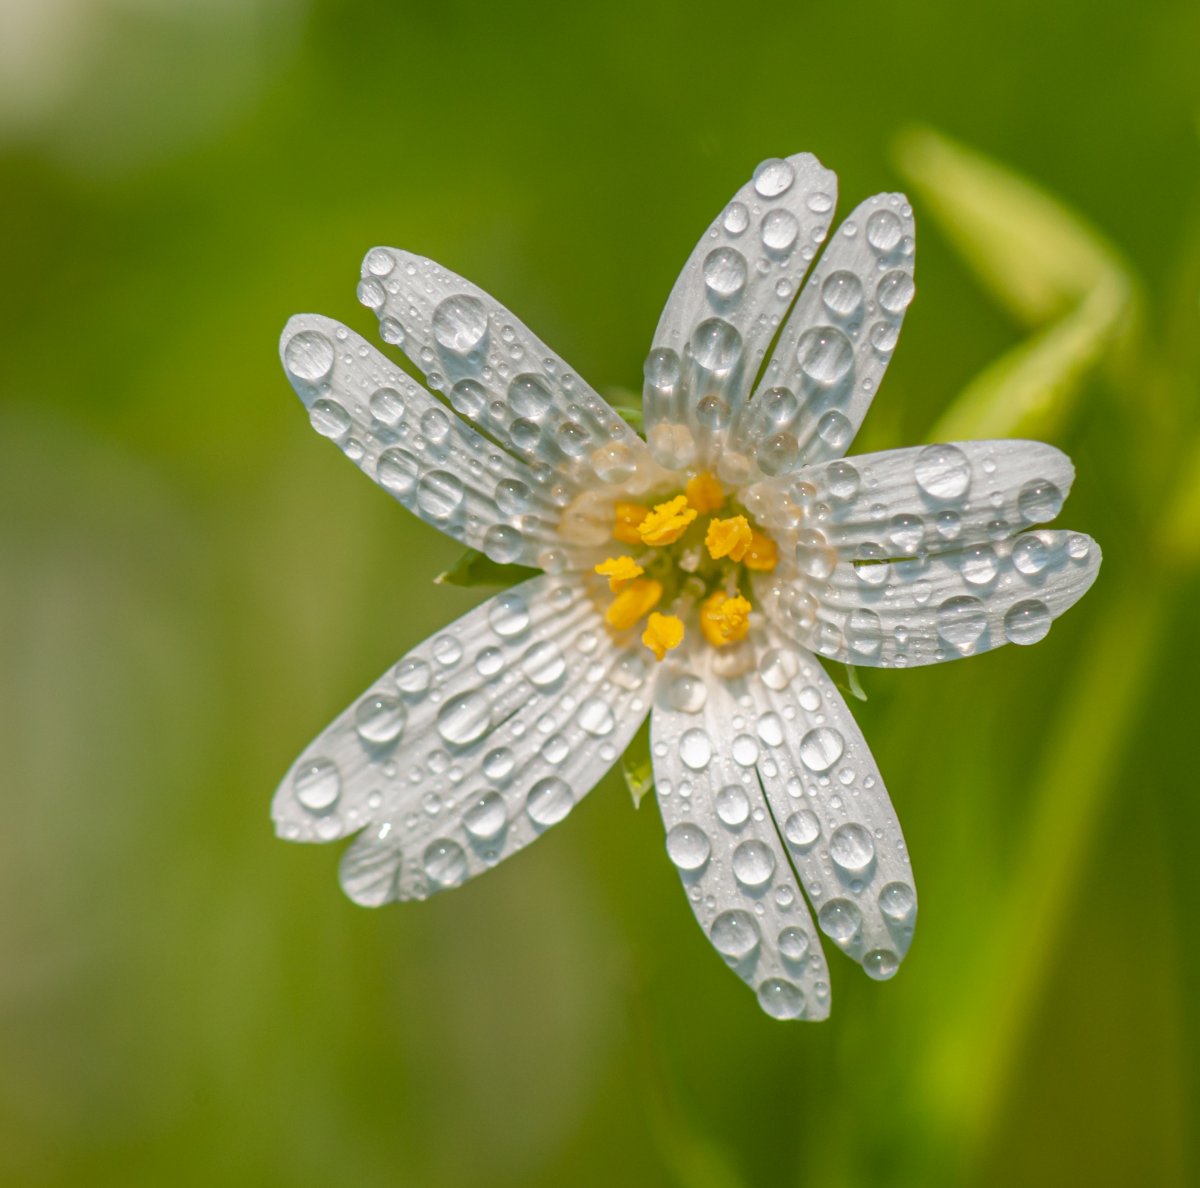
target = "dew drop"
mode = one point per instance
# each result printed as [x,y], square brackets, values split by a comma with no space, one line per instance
[753,864]
[881,964]
[508,614]
[884,231]
[773,177]
[724,273]
[961,622]
[412,676]
[943,472]
[840,920]
[543,663]
[802,829]
[317,784]
[329,418]
[595,716]
[825,355]
[821,748]
[529,397]
[502,543]
[387,405]
[852,849]
[397,471]
[895,292]
[1027,622]
[842,293]
[687,693]
[779,231]
[793,944]
[379,718]
[1039,501]
[486,818]
[695,749]
[736,218]
[445,862]
[688,846]
[781,999]
[716,345]
[1030,555]
[435,425]
[898,902]
[735,934]
[460,323]
[465,718]
[733,805]
[977,565]
[380,262]
[308,356]
[440,494]
[549,801]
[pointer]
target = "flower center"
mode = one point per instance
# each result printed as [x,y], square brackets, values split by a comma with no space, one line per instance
[688,560]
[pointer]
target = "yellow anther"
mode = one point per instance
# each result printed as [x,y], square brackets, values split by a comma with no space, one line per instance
[667,522]
[663,632]
[724,620]
[729,538]
[620,571]
[626,518]
[633,603]
[762,553]
[704,493]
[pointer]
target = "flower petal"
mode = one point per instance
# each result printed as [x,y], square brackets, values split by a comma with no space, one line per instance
[834,348]
[827,796]
[727,304]
[430,460]
[474,744]
[497,373]
[725,844]
[926,499]
[896,614]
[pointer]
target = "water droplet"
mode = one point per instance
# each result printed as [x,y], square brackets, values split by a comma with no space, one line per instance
[820,203]
[499,764]
[1078,547]
[379,718]
[440,494]
[595,716]
[555,749]
[733,805]
[781,999]
[308,356]
[412,676]
[864,633]
[529,397]
[836,430]
[840,920]
[435,424]
[773,177]
[549,801]
[317,784]
[387,405]
[842,293]
[779,231]
[543,663]
[1027,622]
[884,231]
[1039,501]
[825,355]
[744,750]
[802,829]
[716,345]
[793,944]
[753,863]
[695,749]
[486,818]
[446,650]
[502,543]
[977,565]
[460,323]
[445,862]
[735,934]
[725,272]
[380,262]
[688,846]
[881,964]
[775,669]
[815,557]
[770,729]
[906,533]
[895,292]
[1030,555]
[852,849]
[943,472]
[687,693]
[821,748]
[464,718]
[371,293]
[391,331]
[737,218]
[397,471]
[898,902]
[614,463]
[508,614]
[469,398]
[884,336]
[778,454]
[961,622]
[329,418]
[489,662]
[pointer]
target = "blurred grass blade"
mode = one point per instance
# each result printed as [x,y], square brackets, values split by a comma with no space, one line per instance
[1178,542]
[1044,264]
[475,569]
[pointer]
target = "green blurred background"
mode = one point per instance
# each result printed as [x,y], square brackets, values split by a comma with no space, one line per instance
[192,584]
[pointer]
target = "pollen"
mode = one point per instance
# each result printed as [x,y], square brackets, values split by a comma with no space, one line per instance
[663,632]
[723,619]
[704,493]
[667,522]
[762,553]
[729,538]
[634,602]
[626,518]
[620,571]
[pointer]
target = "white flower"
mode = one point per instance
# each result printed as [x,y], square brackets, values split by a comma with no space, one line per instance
[766,549]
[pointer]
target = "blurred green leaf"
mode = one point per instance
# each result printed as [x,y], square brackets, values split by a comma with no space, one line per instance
[636,765]
[475,569]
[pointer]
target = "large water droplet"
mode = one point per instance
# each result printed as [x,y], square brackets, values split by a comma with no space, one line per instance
[778,454]
[781,999]
[895,292]
[435,425]
[412,676]
[380,262]
[387,405]
[864,632]
[884,231]
[549,801]
[397,471]
[736,218]
[1027,622]
[793,944]
[779,231]
[852,849]
[977,565]
[688,846]
[733,805]
[486,818]
[329,418]
[836,430]
[469,397]
[317,785]
[440,494]
[802,829]
[753,863]
[529,397]
[776,669]
[898,902]
[687,693]
[498,764]
[881,964]
[502,543]
[770,729]
[821,748]
[1030,555]
[464,718]
[445,863]
[716,345]
[614,462]
[379,718]
[842,293]
[508,614]
[695,749]
[725,273]
[961,622]
[840,920]
[825,355]
[735,934]
[308,356]
[1039,501]
[543,663]
[943,472]
[773,177]
[595,716]
[460,323]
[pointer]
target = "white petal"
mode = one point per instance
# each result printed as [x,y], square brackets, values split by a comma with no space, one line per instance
[725,844]
[496,372]
[424,455]
[926,499]
[826,793]
[934,607]
[471,746]
[727,304]
[834,348]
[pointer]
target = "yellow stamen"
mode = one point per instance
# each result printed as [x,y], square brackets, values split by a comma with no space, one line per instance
[762,553]
[663,632]
[620,571]
[667,522]
[704,493]
[729,538]
[627,517]
[636,600]
[724,620]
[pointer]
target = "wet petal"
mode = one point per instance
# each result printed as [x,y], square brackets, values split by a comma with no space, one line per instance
[727,304]
[474,744]
[726,845]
